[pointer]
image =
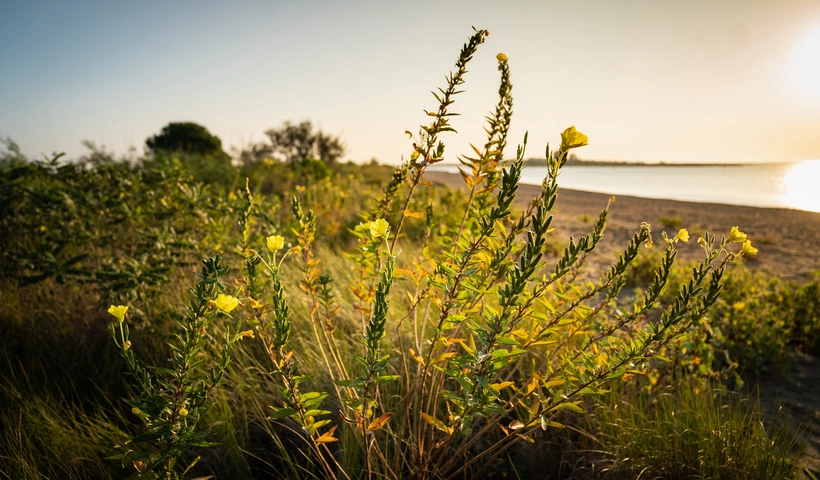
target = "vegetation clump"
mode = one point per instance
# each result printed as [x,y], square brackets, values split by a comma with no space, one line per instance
[386,334]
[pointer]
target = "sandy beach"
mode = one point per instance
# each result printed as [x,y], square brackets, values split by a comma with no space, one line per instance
[788,240]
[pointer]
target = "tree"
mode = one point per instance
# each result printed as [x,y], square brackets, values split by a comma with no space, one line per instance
[187,137]
[297,142]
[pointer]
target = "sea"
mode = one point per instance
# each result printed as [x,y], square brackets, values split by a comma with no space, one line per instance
[783,185]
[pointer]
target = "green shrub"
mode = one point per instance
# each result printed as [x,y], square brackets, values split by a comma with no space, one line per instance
[671,222]
[186,137]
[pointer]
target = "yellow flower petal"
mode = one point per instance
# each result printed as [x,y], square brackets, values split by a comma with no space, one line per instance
[379,228]
[226,303]
[572,138]
[275,243]
[118,311]
[748,249]
[735,235]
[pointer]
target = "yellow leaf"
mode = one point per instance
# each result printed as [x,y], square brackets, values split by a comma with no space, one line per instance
[362,309]
[468,179]
[443,356]
[437,423]
[526,438]
[502,385]
[403,271]
[379,422]
[408,213]
[327,437]
[417,358]
[533,383]
[520,333]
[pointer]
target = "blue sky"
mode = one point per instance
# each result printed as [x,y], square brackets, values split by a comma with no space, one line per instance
[646,80]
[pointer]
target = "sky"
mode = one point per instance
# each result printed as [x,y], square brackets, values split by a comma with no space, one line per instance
[648,80]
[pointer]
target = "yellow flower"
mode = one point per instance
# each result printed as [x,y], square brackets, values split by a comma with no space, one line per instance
[739,306]
[246,333]
[748,249]
[501,57]
[379,228]
[275,243]
[571,138]
[701,241]
[183,412]
[295,250]
[683,235]
[118,311]
[735,235]
[226,303]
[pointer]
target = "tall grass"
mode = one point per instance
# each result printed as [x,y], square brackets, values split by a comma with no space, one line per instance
[688,430]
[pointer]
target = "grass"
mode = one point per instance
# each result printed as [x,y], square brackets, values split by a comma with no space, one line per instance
[692,430]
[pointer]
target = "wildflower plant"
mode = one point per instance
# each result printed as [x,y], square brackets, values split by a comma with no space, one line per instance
[170,401]
[474,343]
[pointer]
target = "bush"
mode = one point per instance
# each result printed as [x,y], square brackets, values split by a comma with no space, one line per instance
[755,327]
[186,137]
[671,222]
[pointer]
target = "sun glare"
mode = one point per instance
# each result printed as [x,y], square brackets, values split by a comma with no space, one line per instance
[804,66]
[800,186]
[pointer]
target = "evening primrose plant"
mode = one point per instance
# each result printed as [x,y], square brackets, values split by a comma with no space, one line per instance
[170,401]
[466,345]
[494,343]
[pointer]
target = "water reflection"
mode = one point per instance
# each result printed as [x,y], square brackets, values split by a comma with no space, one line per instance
[778,185]
[801,186]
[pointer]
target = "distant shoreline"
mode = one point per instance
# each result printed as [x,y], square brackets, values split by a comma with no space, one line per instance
[531,162]
[540,162]
[787,238]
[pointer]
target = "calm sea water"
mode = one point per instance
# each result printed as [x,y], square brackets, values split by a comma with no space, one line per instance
[788,185]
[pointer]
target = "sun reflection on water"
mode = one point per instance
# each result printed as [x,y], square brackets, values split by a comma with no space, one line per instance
[801,186]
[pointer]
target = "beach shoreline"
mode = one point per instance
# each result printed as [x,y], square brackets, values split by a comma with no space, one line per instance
[788,239]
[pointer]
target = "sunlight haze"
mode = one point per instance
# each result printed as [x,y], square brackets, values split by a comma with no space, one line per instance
[694,81]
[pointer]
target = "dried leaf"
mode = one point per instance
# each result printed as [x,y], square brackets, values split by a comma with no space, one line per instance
[379,422]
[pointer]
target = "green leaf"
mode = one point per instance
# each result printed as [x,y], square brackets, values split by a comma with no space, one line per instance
[316,413]
[387,378]
[281,413]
